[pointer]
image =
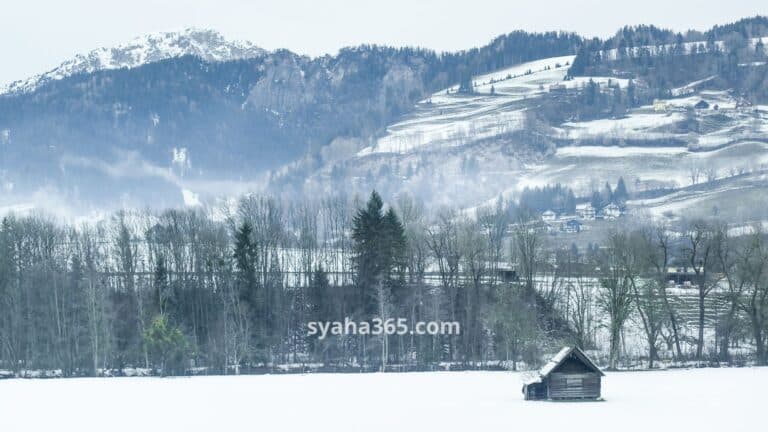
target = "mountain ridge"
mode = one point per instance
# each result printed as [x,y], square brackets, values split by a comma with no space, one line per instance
[206,44]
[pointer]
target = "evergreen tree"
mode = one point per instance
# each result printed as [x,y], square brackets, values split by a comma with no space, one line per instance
[607,194]
[760,49]
[161,287]
[570,203]
[245,255]
[591,93]
[166,345]
[620,195]
[465,84]
[379,248]
[251,312]
[631,94]
[320,296]
[366,230]
[393,237]
[320,301]
[597,200]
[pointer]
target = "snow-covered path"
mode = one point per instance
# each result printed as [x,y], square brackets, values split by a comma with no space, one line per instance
[700,400]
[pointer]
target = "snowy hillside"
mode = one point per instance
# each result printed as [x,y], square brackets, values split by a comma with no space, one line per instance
[209,45]
[500,99]
[496,106]
[478,145]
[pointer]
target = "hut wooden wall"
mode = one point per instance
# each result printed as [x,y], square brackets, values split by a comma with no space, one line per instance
[574,385]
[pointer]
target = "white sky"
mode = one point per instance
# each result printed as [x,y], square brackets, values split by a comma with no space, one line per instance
[37,35]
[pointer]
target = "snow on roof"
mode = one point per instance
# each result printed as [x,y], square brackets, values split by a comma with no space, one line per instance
[535,379]
[556,360]
[562,355]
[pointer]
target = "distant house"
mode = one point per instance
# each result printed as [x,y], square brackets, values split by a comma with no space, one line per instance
[507,275]
[571,226]
[659,105]
[557,88]
[611,211]
[683,275]
[549,216]
[743,104]
[585,211]
[505,271]
[701,105]
[569,375]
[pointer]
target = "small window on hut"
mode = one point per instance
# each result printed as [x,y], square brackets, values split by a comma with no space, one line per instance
[573,382]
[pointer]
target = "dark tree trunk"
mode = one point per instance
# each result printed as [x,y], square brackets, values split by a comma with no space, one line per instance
[700,341]
[760,354]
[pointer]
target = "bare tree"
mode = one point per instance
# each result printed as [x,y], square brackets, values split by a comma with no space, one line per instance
[755,299]
[730,263]
[618,268]
[698,253]
[656,240]
[527,246]
[443,243]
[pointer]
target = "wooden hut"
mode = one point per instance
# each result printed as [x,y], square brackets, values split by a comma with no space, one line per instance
[570,375]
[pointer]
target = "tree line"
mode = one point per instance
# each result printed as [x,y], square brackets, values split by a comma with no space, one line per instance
[663,60]
[185,291]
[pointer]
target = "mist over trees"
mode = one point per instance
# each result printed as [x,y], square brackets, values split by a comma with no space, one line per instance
[182,292]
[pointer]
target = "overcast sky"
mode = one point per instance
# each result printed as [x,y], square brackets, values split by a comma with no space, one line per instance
[38,35]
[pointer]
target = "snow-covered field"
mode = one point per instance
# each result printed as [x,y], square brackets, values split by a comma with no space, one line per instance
[685,400]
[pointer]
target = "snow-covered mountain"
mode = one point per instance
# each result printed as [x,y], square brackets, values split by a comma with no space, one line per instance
[209,45]
[681,119]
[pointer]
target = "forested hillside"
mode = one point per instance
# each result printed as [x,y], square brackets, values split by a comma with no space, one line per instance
[256,113]
[733,54]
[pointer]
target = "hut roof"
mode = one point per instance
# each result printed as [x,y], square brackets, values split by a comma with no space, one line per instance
[564,353]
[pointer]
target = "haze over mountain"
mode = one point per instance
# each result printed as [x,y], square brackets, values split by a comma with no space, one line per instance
[187,118]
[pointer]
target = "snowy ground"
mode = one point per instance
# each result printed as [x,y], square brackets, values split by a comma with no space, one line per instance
[700,400]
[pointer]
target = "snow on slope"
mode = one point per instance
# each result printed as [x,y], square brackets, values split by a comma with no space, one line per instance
[690,87]
[737,196]
[497,106]
[507,78]
[638,126]
[702,400]
[209,45]
[726,124]
[458,144]
[646,167]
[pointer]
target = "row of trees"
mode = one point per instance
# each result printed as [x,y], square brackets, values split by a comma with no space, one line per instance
[635,279]
[182,290]
[664,60]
